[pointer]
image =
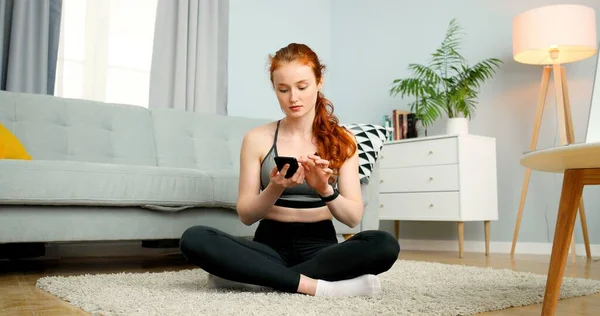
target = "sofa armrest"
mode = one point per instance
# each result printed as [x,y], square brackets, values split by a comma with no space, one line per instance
[370,220]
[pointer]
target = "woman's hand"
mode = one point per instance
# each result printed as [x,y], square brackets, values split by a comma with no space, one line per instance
[278,177]
[317,172]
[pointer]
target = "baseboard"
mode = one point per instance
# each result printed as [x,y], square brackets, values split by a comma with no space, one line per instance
[108,249]
[134,248]
[495,247]
[103,249]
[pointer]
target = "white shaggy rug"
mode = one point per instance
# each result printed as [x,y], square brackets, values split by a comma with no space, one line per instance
[409,288]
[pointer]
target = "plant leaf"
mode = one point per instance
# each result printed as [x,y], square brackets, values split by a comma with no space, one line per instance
[446,83]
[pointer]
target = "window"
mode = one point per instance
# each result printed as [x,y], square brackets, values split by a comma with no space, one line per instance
[105,50]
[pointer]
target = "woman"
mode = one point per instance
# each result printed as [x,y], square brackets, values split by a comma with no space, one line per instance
[295,248]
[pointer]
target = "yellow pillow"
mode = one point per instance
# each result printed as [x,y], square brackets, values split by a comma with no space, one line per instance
[10,146]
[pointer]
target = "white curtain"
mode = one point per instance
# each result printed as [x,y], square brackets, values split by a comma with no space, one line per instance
[105,50]
[189,58]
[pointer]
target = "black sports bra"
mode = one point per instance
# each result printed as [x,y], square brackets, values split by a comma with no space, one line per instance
[300,196]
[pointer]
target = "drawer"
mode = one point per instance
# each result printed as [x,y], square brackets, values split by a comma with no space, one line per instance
[419,153]
[419,206]
[419,179]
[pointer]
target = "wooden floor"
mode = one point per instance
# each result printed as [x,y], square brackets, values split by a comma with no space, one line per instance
[19,296]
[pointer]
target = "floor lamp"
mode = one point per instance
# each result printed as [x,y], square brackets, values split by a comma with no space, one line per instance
[552,36]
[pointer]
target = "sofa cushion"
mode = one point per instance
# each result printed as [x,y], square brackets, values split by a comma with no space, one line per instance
[47,182]
[53,128]
[198,140]
[225,187]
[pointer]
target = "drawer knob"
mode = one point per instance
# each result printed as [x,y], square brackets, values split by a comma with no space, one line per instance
[380,205]
[431,205]
[430,178]
[431,152]
[381,181]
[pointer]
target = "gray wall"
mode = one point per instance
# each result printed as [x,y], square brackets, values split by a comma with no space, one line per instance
[258,28]
[389,34]
[367,44]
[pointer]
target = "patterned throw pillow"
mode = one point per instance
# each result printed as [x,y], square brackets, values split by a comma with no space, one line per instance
[370,139]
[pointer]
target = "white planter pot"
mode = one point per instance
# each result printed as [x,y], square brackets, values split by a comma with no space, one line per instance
[457,126]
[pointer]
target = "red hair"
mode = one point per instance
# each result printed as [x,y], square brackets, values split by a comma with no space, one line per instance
[334,143]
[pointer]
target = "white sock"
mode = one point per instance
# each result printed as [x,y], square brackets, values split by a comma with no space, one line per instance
[217,282]
[364,285]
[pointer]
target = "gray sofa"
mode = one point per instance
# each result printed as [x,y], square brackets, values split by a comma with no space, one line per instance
[107,172]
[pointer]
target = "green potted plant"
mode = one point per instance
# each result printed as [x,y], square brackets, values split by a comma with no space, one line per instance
[447,84]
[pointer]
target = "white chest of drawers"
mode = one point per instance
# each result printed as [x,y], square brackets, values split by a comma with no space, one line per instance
[440,178]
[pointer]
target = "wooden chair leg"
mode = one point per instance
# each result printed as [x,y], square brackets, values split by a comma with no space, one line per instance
[572,189]
[586,237]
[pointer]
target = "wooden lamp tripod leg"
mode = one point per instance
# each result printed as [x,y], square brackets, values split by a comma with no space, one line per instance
[565,126]
[571,139]
[532,146]
[561,118]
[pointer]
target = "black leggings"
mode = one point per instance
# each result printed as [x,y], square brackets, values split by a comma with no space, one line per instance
[281,252]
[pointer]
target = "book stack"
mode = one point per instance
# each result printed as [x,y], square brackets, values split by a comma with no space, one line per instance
[401,125]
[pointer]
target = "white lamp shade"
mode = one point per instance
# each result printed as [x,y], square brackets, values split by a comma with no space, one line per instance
[555,34]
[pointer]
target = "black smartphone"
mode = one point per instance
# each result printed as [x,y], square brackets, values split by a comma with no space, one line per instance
[281,161]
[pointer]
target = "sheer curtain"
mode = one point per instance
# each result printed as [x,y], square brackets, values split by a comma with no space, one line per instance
[105,50]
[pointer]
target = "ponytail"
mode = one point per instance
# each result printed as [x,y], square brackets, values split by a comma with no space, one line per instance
[334,142]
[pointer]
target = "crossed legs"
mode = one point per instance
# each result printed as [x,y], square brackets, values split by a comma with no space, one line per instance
[250,262]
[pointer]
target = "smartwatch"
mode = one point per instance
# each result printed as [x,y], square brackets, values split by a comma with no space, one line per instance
[332,197]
